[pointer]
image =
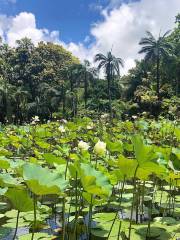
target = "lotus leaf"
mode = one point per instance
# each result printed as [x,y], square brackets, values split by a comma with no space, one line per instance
[42,181]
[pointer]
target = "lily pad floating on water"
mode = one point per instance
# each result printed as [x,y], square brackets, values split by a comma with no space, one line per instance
[11,214]
[128,188]
[176,213]
[101,233]
[40,217]
[2,215]
[127,197]
[103,217]
[156,233]
[12,223]
[3,206]
[166,220]
[37,236]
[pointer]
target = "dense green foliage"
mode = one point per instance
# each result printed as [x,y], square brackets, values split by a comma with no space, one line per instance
[98,180]
[154,82]
[46,80]
[32,79]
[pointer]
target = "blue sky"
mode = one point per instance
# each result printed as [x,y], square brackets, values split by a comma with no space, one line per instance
[73,18]
[103,23]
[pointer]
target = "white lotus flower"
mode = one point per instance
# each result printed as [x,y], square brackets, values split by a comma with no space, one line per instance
[64,121]
[35,119]
[134,117]
[100,148]
[104,116]
[62,129]
[33,123]
[83,145]
[90,126]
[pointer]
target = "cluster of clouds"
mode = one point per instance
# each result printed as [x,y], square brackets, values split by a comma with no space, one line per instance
[24,25]
[122,27]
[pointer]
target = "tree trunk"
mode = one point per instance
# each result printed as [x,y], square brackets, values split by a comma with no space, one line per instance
[85,89]
[63,100]
[158,76]
[109,90]
[71,82]
[177,82]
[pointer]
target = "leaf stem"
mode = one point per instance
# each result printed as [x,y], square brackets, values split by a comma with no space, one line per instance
[132,207]
[90,218]
[63,219]
[17,220]
[120,200]
[34,224]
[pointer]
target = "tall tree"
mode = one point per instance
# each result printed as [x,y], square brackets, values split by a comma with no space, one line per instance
[111,65]
[154,50]
[73,74]
[88,75]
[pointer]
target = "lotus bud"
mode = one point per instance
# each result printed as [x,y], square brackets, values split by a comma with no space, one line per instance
[62,129]
[90,126]
[100,148]
[104,116]
[64,121]
[83,145]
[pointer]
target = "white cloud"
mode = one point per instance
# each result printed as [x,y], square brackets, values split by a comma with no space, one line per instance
[24,25]
[122,27]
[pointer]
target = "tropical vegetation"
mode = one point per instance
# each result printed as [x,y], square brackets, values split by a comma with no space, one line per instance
[46,80]
[86,153]
[85,179]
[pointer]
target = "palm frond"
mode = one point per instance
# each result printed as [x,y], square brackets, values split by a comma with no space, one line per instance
[166,34]
[100,57]
[150,36]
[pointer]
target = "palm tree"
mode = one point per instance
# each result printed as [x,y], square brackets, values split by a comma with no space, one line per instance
[86,72]
[73,74]
[111,65]
[88,75]
[154,50]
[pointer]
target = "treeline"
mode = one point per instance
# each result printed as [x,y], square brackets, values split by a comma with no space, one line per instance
[47,80]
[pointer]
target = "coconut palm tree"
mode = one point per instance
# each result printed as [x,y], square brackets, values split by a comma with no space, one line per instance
[111,65]
[154,49]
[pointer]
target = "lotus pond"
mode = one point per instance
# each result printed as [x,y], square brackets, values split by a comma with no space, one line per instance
[90,179]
